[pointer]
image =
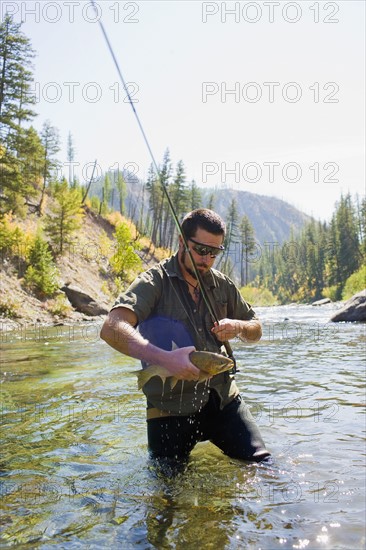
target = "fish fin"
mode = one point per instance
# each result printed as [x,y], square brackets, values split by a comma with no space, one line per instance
[203,376]
[173,382]
[141,378]
[144,375]
[174,345]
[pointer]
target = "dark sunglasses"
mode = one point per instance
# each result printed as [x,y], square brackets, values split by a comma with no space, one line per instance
[204,249]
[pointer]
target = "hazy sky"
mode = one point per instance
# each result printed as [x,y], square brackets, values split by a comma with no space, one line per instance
[264,96]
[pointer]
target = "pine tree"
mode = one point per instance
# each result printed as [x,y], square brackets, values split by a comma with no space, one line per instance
[122,192]
[195,196]
[348,237]
[51,145]
[332,262]
[231,241]
[320,247]
[21,176]
[30,153]
[16,79]
[165,174]
[155,192]
[140,222]
[361,215]
[86,188]
[11,182]
[66,217]
[211,202]
[180,198]
[247,246]
[343,256]
[71,158]
[106,194]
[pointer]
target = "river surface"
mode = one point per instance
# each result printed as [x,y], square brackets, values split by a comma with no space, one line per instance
[75,471]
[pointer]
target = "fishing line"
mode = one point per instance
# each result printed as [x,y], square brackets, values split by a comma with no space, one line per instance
[205,296]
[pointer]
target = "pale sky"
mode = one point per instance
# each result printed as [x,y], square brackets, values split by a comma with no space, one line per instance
[263,96]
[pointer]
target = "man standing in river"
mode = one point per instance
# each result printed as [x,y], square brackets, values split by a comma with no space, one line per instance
[166,304]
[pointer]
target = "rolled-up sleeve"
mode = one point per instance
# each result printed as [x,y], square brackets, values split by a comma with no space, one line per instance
[142,295]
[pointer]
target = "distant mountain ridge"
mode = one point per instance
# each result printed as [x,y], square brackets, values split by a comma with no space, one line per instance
[272,219]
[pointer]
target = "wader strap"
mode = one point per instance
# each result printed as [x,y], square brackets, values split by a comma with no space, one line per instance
[157,413]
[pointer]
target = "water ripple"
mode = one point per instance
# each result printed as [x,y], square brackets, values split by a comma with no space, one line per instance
[75,473]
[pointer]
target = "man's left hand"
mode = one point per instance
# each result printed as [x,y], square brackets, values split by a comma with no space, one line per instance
[226,329]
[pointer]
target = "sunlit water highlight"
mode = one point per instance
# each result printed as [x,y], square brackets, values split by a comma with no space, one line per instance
[74,466]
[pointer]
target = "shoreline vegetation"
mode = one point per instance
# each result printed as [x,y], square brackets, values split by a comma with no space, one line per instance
[100,257]
[57,234]
[91,263]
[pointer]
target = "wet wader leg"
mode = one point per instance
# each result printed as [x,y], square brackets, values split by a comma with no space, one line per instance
[235,432]
[171,439]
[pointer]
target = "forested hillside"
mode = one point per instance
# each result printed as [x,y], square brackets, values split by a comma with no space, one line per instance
[325,260]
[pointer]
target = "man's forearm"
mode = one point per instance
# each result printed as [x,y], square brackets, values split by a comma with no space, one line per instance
[119,333]
[121,336]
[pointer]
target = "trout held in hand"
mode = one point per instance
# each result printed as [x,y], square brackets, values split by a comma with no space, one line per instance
[207,362]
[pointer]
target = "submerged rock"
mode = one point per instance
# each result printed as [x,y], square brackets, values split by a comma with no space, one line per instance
[83,302]
[353,310]
[322,302]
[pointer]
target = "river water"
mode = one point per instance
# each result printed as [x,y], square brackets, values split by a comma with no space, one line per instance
[74,466]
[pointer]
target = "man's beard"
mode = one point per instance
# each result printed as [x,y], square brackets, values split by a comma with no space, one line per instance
[189,270]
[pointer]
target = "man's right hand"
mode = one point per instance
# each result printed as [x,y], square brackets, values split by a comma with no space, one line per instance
[178,363]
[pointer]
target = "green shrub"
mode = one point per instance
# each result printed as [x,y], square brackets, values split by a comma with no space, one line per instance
[258,296]
[355,283]
[332,292]
[94,204]
[42,274]
[10,235]
[60,306]
[9,307]
[125,262]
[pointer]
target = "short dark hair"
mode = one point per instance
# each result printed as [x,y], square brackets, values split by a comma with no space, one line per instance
[205,219]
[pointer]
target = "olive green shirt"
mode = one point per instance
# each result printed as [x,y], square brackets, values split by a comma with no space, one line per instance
[162,291]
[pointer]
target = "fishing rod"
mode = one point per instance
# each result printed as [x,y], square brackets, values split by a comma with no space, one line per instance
[205,296]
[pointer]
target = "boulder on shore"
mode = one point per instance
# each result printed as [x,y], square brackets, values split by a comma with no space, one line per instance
[83,302]
[322,302]
[353,310]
